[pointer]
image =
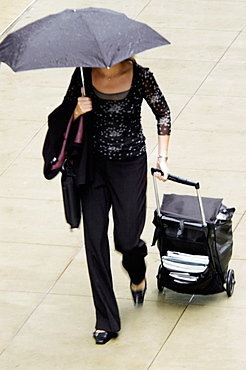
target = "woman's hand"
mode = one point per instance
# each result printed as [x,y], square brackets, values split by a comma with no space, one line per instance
[163,166]
[83,106]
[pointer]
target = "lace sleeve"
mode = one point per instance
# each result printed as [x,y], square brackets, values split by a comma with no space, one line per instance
[157,103]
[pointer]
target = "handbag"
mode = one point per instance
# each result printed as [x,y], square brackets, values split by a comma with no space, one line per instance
[70,191]
[71,196]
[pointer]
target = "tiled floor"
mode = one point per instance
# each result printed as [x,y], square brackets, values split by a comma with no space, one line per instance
[46,310]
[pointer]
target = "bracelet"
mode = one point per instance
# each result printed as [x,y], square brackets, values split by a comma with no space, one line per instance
[162,156]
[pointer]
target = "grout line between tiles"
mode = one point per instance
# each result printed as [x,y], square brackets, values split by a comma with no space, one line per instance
[42,244]
[171,332]
[22,150]
[206,77]
[41,301]
[11,25]
[143,9]
[237,225]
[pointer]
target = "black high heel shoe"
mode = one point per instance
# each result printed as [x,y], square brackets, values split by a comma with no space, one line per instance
[102,337]
[138,296]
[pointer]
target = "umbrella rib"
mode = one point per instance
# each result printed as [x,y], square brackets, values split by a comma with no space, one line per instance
[95,38]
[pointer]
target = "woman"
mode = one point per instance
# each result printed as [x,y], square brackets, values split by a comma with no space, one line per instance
[112,117]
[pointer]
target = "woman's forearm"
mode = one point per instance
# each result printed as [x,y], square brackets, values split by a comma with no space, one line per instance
[162,157]
[163,144]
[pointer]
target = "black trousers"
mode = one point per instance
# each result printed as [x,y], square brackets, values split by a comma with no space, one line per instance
[122,186]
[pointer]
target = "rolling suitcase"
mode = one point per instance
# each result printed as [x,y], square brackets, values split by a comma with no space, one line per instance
[195,240]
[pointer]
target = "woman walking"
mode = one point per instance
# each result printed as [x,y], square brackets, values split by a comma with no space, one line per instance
[117,177]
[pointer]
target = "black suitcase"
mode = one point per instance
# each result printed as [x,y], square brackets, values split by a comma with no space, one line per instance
[195,240]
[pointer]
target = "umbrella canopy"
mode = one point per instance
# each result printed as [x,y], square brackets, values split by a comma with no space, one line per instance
[89,37]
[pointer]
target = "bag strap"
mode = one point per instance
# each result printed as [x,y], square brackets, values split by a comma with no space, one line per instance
[62,154]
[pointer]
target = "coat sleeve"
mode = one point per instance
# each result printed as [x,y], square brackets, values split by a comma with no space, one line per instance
[57,124]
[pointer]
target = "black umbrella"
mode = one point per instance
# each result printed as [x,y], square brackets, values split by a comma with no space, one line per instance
[89,37]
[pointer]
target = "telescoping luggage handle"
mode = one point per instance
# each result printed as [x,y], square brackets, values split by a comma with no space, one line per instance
[183,181]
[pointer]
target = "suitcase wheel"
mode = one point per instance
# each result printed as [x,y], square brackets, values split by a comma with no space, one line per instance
[159,279]
[230,282]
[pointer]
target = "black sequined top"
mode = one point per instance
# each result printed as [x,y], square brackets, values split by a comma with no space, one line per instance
[117,129]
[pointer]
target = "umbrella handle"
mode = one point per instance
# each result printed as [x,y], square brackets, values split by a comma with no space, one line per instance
[83,80]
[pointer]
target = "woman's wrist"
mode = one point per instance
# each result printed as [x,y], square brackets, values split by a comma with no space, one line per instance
[162,157]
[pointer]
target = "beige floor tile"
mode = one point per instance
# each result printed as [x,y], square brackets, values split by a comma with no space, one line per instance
[53,337]
[202,76]
[225,80]
[239,239]
[16,135]
[9,10]
[151,138]
[131,8]
[22,181]
[37,11]
[192,44]
[75,279]
[236,52]
[213,114]
[58,335]
[206,337]
[48,78]
[15,308]
[178,76]
[5,21]
[33,268]
[209,15]
[237,300]
[195,146]
[149,228]
[34,148]
[36,222]
[27,107]
[11,6]
[27,104]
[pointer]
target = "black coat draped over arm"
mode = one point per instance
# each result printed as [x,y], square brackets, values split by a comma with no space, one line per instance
[81,154]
